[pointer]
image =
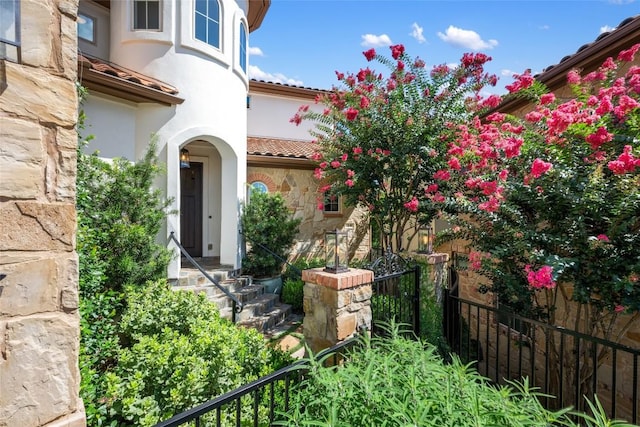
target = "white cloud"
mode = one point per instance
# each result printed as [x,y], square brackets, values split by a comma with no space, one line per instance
[416,32]
[505,72]
[544,27]
[466,39]
[255,51]
[606,29]
[257,74]
[371,40]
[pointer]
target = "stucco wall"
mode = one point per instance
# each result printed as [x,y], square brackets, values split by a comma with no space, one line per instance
[39,319]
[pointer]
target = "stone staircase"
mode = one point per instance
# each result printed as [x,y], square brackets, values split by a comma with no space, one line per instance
[261,311]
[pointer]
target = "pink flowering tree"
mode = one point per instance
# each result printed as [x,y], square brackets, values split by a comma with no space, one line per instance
[550,204]
[554,201]
[379,142]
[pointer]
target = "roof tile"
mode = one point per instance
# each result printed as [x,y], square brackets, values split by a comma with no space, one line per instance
[111,69]
[280,147]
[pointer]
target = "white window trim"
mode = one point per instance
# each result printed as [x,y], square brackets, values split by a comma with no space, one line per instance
[188,36]
[166,34]
[339,202]
[153,30]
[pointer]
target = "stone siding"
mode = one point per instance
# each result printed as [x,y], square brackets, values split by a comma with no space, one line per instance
[39,319]
[300,190]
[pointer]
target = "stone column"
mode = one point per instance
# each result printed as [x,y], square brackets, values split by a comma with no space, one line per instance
[439,274]
[39,319]
[336,306]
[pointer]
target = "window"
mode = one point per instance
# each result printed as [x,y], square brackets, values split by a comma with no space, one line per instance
[87,27]
[10,30]
[259,187]
[146,15]
[243,47]
[207,22]
[331,203]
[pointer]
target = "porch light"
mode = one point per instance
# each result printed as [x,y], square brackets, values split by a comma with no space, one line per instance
[184,159]
[336,250]
[425,240]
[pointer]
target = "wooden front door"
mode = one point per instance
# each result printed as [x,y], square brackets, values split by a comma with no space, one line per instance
[191,209]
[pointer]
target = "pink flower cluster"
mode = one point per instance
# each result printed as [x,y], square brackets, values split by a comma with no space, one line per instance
[475,260]
[625,163]
[541,279]
[412,205]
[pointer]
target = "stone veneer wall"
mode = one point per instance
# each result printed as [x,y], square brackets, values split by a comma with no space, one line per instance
[300,189]
[39,320]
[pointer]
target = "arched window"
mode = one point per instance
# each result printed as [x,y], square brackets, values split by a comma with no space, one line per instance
[259,186]
[243,47]
[207,22]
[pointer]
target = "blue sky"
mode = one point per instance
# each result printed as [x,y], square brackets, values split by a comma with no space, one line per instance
[303,42]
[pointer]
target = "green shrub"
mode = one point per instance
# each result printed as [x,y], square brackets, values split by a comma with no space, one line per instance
[267,223]
[400,382]
[182,353]
[119,216]
[293,286]
[293,294]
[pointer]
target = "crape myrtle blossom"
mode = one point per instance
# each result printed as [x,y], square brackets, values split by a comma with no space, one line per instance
[561,165]
[540,279]
[380,119]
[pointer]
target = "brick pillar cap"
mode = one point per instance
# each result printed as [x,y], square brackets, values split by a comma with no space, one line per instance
[349,279]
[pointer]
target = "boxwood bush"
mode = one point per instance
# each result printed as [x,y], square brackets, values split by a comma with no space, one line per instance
[182,353]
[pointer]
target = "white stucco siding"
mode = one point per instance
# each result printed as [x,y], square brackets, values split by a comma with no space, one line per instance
[269,117]
[113,126]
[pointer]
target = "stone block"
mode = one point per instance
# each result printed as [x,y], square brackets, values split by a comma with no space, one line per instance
[41,21]
[33,93]
[32,285]
[39,369]
[22,159]
[346,326]
[29,226]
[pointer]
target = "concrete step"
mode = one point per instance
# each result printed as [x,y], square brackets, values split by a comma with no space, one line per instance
[269,319]
[257,306]
[261,310]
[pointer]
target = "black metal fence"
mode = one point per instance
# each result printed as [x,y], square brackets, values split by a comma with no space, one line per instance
[259,403]
[396,296]
[396,292]
[568,366]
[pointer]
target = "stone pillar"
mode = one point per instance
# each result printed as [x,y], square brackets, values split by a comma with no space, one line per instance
[438,271]
[39,319]
[336,306]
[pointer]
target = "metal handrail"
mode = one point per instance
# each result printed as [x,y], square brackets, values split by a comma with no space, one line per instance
[275,255]
[236,304]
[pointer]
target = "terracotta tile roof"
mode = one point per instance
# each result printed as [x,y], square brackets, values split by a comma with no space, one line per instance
[626,28]
[275,147]
[120,72]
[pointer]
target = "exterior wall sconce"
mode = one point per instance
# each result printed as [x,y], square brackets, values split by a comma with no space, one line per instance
[425,240]
[336,251]
[185,163]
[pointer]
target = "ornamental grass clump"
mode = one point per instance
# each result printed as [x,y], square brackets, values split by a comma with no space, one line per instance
[402,382]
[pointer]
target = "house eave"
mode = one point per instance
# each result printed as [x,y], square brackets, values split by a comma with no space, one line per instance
[279,89]
[124,89]
[587,59]
[280,162]
[257,11]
